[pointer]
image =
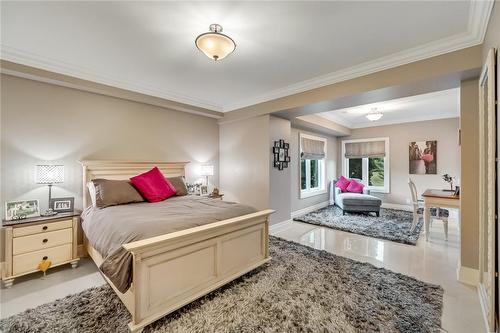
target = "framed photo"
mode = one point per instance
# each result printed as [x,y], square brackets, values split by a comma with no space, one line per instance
[287,158]
[16,210]
[276,144]
[422,157]
[203,190]
[287,145]
[62,205]
[276,150]
[282,155]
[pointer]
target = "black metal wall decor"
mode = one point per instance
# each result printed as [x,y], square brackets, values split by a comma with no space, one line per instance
[280,153]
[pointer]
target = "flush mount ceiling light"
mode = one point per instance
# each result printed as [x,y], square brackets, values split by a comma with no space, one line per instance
[374,115]
[214,44]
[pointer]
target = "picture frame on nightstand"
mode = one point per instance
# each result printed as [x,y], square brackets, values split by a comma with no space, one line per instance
[62,205]
[21,209]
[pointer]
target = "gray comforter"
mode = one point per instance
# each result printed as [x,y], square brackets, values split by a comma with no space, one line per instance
[108,228]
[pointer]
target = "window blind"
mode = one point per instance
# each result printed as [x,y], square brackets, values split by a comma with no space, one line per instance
[365,149]
[312,149]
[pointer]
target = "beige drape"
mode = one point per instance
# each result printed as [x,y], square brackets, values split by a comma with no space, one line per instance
[365,149]
[312,149]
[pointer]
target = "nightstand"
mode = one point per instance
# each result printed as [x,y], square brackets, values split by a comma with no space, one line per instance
[29,241]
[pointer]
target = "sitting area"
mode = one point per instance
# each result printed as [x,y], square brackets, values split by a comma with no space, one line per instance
[354,202]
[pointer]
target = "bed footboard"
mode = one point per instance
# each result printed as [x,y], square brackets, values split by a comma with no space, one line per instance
[172,270]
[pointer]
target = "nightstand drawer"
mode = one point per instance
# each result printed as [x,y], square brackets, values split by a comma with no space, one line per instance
[41,241]
[29,262]
[39,228]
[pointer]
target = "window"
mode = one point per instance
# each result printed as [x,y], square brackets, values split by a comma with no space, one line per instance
[367,160]
[312,165]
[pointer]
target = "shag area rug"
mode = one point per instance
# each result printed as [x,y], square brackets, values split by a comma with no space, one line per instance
[393,225]
[299,290]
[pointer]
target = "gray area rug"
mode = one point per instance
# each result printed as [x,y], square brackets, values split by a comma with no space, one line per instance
[393,225]
[299,290]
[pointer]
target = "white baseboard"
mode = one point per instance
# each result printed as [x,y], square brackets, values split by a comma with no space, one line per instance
[468,275]
[396,206]
[277,227]
[310,209]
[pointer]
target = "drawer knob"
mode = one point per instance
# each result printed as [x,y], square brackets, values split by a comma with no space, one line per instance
[45,240]
[45,258]
[45,227]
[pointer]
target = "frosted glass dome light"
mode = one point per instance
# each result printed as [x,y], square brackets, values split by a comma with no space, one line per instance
[214,44]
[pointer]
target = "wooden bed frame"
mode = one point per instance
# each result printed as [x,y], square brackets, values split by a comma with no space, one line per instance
[172,270]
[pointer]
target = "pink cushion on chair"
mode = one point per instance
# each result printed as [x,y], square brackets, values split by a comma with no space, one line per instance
[343,183]
[153,185]
[355,187]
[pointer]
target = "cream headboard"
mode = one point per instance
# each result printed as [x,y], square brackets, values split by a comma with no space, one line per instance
[121,170]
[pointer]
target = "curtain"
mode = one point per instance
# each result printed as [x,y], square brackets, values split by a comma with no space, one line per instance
[365,149]
[312,149]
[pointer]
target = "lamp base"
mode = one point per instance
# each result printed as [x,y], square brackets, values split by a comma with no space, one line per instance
[49,212]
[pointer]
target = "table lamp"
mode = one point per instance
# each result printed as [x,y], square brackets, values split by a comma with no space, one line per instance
[207,170]
[50,175]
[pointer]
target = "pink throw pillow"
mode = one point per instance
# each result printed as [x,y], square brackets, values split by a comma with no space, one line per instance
[153,186]
[343,183]
[355,187]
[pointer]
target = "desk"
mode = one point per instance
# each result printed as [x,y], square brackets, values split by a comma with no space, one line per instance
[438,199]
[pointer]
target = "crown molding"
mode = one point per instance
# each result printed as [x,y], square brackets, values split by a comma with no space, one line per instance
[336,119]
[479,14]
[22,57]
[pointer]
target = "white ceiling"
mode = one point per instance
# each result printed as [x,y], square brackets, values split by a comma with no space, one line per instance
[282,47]
[436,105]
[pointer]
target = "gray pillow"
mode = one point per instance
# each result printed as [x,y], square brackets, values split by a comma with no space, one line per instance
[115,192]
[179,184]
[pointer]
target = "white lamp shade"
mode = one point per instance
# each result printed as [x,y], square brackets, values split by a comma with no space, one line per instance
[207,170]
[49,174]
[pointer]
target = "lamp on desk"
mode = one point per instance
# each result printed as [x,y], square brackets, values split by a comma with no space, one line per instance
[49,175]
[207,170]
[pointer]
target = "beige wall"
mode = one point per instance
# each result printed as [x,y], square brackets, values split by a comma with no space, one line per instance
[42,122]
[279,180]
[445,131]
[331,169]
[244,161]
[469,191]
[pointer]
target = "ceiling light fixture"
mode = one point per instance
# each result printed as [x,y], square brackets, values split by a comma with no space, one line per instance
[374,115]
[214,44]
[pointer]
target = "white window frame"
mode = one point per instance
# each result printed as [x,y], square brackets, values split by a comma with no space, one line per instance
[310,192]
[387,165]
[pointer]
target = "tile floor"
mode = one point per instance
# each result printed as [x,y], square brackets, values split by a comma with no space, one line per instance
[434,261]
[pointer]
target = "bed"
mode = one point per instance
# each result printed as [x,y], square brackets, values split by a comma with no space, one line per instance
[173,269]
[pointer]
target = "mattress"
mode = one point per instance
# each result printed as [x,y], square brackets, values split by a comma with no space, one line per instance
[107,229]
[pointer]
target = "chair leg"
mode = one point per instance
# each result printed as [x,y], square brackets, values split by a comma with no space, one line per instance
[414,222]
[378,214]
[445,227]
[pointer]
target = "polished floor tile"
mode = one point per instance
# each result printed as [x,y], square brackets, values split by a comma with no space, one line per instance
[435,261]
[32,290]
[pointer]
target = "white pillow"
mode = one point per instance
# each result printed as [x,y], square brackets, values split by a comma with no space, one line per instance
[91,187]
